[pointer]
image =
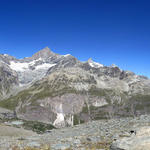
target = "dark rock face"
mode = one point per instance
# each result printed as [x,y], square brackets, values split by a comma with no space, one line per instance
[7,114]
[66,62]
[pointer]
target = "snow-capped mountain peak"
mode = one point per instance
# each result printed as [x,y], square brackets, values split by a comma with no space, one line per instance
[36,67]
[66,55]
[94,64]
[113,65]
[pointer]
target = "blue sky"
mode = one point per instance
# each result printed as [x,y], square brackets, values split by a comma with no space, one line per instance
[109,31]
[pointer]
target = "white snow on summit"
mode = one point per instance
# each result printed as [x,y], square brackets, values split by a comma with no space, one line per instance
[94,64]
[5,54]
[66,55]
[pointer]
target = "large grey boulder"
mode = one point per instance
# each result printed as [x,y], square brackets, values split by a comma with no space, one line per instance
[138,141]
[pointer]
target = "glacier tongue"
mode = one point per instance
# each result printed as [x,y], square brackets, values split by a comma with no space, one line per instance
[23,66]
[17,66]
[30,71]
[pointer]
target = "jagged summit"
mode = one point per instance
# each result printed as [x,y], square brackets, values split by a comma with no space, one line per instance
[44,53]
[94,64]
[31,69]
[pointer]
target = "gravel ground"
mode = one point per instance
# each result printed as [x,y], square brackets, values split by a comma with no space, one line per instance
[92,135]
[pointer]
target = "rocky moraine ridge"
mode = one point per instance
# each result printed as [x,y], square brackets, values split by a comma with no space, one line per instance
[49,90]
[111,134]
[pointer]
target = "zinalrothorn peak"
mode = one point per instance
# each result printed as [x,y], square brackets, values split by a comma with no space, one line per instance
[61,90]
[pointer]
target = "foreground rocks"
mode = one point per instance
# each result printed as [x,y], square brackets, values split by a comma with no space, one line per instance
[140,141]
[111,134]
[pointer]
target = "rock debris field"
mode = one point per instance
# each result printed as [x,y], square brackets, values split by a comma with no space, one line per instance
[114,134]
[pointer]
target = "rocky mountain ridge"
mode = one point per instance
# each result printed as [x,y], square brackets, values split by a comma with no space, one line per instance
[63,91]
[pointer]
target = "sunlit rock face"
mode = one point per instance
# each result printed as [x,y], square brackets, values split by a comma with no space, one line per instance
[8,80]
[138,141]
[64,91]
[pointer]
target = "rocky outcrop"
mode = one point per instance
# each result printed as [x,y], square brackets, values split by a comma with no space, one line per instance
[6,114]
[8,80]
[138,141]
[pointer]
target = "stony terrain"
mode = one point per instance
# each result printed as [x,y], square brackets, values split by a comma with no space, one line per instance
[113,134]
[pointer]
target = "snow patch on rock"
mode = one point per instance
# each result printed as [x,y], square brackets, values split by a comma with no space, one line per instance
[42,105]
[66,55]
[60,118]
[100,102]
[6,55]
[45,65]
[94,64]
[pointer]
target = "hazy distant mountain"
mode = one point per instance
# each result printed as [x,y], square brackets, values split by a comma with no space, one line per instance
[62,90]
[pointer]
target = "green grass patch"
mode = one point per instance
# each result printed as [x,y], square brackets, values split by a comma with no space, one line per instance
[38,127]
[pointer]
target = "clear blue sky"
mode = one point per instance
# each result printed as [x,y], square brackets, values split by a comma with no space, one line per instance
[109,31]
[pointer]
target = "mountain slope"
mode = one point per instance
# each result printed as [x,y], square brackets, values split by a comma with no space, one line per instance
[8,80]
[64,91]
